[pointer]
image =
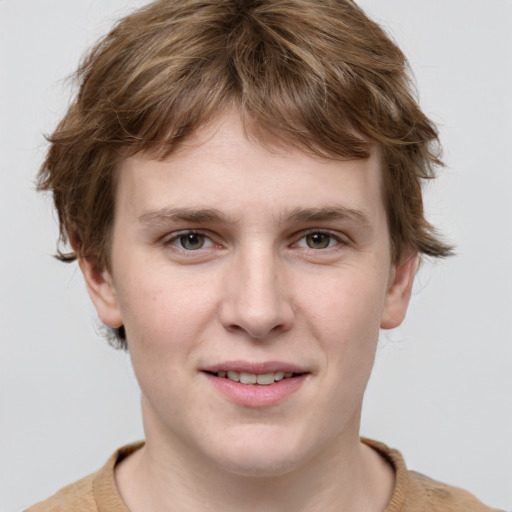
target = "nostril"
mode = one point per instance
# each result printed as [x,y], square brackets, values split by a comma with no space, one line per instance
[256,304]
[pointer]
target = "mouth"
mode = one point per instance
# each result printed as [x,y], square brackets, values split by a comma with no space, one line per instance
[256,385]
[261,379]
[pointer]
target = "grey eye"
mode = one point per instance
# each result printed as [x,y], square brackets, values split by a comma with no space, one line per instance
[318,240]
[192,241]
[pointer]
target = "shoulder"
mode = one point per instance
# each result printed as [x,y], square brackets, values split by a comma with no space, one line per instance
[426,494]
[77,497]
[415,492]
[94,493]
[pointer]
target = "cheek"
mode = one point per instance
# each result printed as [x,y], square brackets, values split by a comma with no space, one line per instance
[346,308]
[164,309]
[346,321]
[161,325]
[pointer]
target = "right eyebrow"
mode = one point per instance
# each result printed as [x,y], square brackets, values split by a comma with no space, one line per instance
[193,215]
[327,213]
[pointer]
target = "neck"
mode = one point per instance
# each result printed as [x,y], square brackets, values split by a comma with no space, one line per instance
[166,476]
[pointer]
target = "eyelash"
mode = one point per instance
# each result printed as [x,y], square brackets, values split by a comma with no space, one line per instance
[331,236]
[178,237]
[177,240]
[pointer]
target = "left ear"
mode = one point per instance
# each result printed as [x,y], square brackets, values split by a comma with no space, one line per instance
[399,292]
[102,292]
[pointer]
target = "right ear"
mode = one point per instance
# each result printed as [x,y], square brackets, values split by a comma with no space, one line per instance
[102,292]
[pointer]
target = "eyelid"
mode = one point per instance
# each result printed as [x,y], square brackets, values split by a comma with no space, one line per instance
[336,235]
[169,239]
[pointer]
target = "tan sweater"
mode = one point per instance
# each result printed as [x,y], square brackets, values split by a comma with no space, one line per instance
[413,492]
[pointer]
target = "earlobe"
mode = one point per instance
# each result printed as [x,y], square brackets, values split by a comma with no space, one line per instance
[102,292]
[399,292]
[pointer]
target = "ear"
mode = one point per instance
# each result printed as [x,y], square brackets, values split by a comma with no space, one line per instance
[102,292]
[399,292]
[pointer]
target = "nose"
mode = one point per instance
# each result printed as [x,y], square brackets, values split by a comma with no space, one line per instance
[257,298]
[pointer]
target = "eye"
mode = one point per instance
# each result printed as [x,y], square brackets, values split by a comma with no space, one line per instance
[190,241]
[318,240]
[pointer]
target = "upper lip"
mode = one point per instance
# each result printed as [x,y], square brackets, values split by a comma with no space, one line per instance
[255,367]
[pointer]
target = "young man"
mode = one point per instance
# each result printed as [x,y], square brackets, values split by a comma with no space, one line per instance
[240,182]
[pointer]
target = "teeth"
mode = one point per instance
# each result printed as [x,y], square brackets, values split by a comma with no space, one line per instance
[263,379]
[248,378]
[234,376]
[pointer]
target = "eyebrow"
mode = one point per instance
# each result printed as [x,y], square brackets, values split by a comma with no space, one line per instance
[212,215]
[195,215]
[328,213]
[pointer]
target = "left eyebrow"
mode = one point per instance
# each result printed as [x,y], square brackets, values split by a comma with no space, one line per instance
[329,213]
[198,216]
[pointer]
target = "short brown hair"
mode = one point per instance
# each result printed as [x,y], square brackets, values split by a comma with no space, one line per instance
[315,74]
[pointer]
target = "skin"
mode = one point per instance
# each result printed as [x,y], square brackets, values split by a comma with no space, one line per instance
[294,266]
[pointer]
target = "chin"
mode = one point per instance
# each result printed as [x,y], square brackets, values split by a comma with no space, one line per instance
[259,466]
[261,455]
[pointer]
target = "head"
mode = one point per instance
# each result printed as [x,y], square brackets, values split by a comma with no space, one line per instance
[315,76]
[241,183]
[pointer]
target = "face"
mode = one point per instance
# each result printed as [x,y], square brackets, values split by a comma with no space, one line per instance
[252,284]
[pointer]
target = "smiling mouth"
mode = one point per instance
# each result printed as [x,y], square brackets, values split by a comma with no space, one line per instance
[263,379]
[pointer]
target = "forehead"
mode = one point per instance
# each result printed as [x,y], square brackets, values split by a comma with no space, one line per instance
[222,167]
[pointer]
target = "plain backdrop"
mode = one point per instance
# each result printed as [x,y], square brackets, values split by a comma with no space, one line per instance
[441,389]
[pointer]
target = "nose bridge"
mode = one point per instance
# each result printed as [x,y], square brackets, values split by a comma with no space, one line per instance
[258,300]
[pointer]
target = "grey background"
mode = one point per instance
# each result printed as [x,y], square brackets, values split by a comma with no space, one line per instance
[441,389]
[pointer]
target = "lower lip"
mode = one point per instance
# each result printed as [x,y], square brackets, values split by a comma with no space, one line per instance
[256,395]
